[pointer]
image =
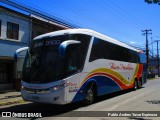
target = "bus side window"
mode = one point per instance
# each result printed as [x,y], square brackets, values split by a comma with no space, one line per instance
[72,59]
[97,51]
[142,58]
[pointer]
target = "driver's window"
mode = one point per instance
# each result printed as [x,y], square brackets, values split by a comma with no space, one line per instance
[73,58]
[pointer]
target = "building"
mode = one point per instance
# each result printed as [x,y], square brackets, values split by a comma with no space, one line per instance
[16,31]
[41,26]
[153,65]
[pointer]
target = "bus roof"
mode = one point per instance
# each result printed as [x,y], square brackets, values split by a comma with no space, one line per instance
[87,32]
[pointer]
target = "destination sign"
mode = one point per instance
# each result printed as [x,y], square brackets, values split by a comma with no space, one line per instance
[47,43]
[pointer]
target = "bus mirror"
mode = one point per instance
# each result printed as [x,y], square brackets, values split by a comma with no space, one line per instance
[65,44]
[19,51]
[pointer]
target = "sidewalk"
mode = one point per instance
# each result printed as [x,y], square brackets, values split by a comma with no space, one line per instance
[10,97]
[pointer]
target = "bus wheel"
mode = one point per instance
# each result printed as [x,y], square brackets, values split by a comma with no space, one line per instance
[89,97]
[139,84]
[135,85]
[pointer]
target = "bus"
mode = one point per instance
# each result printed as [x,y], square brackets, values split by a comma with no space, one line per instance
[74,65]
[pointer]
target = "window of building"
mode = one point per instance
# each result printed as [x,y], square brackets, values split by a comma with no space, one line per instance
[12,30]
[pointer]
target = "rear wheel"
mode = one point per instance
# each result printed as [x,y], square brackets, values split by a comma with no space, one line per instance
[139,84]
[135,85]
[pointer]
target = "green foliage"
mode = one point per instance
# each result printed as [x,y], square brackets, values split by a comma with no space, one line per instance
[153,1]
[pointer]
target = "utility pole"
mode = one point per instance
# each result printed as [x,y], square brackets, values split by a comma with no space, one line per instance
[153,42]
[157,56]
[147,32]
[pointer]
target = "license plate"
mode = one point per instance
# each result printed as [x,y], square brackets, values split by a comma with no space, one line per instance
[35,97]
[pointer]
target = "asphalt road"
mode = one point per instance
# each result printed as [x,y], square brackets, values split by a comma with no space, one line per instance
[145,99]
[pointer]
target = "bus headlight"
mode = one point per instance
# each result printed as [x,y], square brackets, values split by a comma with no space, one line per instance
[22,87]
[55,88]
[58,87]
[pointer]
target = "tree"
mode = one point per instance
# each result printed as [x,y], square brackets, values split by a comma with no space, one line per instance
[153,1]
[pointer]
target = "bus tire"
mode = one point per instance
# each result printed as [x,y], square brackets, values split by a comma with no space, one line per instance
[89,95]
[135,85]
[139,84]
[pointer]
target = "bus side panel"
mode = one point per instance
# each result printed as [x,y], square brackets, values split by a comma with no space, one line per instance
[109,80]
[110,76]
[105,85]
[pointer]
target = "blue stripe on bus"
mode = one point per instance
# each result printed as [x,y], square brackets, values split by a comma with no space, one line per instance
[105,85]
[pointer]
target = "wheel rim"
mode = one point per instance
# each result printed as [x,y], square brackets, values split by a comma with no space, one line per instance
[90,96]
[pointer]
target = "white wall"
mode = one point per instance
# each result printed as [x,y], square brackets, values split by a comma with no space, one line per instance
[24,25]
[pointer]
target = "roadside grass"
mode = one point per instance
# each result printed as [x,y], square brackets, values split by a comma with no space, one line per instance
[12,102]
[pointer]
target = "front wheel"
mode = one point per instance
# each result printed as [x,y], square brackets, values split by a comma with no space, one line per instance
[89,97]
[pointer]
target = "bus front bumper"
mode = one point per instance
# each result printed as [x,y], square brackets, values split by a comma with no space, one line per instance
[56,97]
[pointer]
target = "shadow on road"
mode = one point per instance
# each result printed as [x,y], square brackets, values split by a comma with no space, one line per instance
[48,110]
[137,118]
[109,96]
[153,102]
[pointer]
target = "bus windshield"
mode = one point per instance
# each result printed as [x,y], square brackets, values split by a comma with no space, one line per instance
[42,62]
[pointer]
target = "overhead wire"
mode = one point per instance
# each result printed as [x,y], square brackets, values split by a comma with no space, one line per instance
[82,13]
[56,19]
[94,21]
[129,17]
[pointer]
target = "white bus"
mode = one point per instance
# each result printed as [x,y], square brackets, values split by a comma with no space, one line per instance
[79,64]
